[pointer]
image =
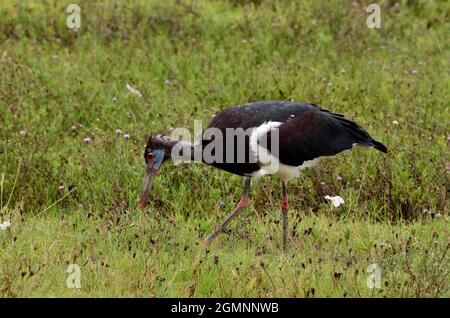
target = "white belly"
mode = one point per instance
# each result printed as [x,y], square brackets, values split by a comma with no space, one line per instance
[283,171]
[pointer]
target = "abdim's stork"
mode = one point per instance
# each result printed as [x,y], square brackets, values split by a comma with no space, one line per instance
[306,132]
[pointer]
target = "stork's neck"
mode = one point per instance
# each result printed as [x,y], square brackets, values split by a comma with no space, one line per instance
[176,150]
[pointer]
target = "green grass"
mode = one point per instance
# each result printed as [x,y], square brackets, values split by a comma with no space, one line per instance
[190,59]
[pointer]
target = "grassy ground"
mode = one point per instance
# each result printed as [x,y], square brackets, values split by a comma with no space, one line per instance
[72,202]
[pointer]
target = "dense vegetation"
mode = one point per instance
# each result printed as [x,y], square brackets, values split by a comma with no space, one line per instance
[70,180]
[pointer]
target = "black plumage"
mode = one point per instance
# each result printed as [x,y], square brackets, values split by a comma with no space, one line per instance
[307,132]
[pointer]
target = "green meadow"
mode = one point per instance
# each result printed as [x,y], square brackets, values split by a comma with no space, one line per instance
[73,137]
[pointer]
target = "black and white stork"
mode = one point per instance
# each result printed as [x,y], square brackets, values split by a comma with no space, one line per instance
[306,132]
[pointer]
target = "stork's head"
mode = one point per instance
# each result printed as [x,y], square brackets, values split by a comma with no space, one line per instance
[157,151]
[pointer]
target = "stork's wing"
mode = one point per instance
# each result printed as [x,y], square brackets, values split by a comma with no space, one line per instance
[317,133]
[255,114]
[306,131]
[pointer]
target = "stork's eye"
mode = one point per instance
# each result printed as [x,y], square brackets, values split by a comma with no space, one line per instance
[150,157]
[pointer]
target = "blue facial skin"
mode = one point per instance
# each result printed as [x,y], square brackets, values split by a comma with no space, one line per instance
[159,158]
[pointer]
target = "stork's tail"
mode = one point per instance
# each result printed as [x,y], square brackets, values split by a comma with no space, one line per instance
[359,135]
[379,146]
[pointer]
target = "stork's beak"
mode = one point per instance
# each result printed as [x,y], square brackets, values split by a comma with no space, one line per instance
[149,177]
[151,170]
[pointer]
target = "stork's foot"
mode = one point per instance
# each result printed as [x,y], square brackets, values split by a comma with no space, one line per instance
[242,204]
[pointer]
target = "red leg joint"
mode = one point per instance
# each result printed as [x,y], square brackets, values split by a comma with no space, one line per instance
[243,202]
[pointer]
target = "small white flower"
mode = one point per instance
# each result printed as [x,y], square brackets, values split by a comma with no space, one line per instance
[22,132]
[134,90]
[118,132]
[87,140]
[394,122]
[5,225]
[337,200]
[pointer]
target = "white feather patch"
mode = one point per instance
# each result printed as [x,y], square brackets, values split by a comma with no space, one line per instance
[269,163]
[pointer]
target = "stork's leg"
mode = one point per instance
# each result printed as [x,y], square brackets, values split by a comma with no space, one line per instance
[284,212]
[242,204]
